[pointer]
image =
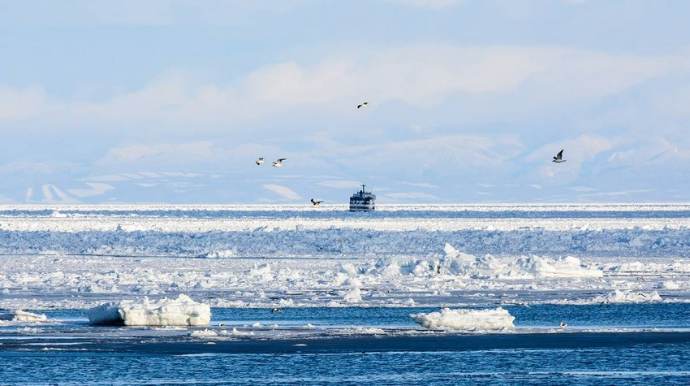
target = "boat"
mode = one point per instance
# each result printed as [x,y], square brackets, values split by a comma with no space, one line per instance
[362,201]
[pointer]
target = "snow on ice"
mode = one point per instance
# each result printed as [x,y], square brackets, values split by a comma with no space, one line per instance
[182,311]
[463,319]
[461,264]
[276,256]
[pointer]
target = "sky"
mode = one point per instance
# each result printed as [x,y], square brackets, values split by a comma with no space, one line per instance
[106,102]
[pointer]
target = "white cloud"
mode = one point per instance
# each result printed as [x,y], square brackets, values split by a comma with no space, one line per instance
[283,191]
[95,189]
[160,153]
[24,103]
[344,184]
[421,185]
[407,197]
[420,75]
[434,4]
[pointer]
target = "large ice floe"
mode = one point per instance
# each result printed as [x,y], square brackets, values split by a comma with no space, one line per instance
[472,320]
[22,316]
[457,263]
[182,311]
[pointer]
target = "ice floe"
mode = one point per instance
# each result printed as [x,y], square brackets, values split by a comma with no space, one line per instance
[22,316]
[628,296]
[466,319]
[353,296]
[182,311]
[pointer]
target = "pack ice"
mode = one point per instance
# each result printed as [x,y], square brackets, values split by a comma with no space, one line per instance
[182,311]
[457,263]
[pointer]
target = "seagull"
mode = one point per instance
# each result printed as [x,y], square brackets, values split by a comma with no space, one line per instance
[558,158]
[276,310]
[316,203]
[365,104]
[563,324]
[260,161]
[279,163]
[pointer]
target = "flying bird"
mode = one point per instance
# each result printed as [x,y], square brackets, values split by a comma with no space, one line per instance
[316,203]
[279,163]
[365,104]
[558,158]
[276,310]
[260,161]
[563,324]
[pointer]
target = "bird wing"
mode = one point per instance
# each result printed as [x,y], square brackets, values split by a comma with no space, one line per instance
[560,154]
[281,159]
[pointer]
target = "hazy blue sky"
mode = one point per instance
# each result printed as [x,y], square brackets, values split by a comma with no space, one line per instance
[171,101]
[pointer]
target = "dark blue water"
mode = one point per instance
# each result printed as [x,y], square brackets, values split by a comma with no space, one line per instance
[650,315]
[665,364]
[627,344]
[643,315]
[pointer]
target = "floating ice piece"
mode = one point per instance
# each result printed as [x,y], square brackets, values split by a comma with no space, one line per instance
[203,334]
[182,311]
[236,332]
[628,296]
[353,296]
[22,316]
[466,319]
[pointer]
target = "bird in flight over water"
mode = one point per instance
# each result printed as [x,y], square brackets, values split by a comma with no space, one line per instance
[558,158]
[279,163]
[365,104]
[260,161]
[316,203]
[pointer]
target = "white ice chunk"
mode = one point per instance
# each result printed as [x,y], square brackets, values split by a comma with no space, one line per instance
[203,334]
[466,319]
[670,285]
[629,296]
[22,316]
[353,296]
[182,311]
